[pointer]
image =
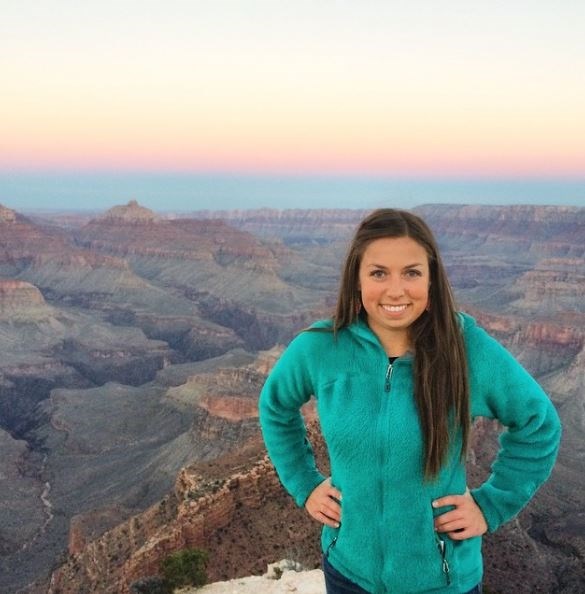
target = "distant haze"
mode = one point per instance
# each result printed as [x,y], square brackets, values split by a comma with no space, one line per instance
[187,192]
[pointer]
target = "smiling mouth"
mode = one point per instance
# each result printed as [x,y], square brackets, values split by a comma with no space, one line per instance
[394,308]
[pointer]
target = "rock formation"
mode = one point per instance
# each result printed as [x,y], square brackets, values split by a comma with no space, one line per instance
[18,297]
[134,231]
[7,215]
[292,226]
[123,373]
[130,213]
[233,278]
[280,578]
[235,508]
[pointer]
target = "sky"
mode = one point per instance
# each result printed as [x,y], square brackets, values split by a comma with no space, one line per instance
[378,89]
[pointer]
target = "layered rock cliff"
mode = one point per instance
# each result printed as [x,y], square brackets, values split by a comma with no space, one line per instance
[524,231]
[133,230]
[233,278]
[292,226]
[102,403]
[235,508]
[20,298]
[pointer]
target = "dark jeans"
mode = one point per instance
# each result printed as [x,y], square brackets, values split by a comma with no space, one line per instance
[336,583]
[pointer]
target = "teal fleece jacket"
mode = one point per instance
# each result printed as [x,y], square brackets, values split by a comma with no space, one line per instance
[386,541]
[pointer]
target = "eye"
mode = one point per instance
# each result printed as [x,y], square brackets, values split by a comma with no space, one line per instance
[413,273]
[379,274]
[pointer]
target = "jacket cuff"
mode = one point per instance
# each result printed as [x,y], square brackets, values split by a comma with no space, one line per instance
[308,485]
[490,513]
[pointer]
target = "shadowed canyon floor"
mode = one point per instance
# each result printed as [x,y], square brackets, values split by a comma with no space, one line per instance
[134,348]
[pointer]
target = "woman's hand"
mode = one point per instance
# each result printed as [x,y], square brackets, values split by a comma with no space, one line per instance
[323,504]
[465,521]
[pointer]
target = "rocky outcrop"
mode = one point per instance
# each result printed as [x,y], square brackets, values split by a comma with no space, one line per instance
[281,578]
[132,212]
[23,243]
[229,394]
[214,507]
[7,215]
[21,240]
[132,231]
[19,297]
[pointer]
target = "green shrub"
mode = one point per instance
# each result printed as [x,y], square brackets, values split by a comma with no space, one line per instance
[185,568]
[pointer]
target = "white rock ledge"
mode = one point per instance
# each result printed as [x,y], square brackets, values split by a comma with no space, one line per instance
[299,582]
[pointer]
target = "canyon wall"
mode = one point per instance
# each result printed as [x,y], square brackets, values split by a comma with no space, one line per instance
[134,347]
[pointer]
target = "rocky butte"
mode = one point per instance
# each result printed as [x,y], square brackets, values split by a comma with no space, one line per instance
[134,348]
[19,296]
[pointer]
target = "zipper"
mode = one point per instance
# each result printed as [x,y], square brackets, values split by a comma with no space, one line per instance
[441,545]
[388,377]
[331,545]
[382,420]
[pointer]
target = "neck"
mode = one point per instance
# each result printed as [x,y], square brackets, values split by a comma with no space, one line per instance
[395,345]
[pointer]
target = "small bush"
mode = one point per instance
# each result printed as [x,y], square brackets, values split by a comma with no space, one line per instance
[185,568]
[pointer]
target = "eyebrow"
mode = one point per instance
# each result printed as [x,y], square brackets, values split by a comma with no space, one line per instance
[384,267]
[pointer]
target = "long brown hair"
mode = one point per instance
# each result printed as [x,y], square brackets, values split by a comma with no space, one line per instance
[440,366]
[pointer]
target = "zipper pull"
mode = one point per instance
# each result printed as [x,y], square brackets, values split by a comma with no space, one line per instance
[388,378]
[444,563]
[331,545]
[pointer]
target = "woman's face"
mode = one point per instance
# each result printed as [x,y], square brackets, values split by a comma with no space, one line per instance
[394,280]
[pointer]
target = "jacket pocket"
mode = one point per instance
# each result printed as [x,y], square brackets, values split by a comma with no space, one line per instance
[416,557]
[444,547]
[329,538]
[444,555]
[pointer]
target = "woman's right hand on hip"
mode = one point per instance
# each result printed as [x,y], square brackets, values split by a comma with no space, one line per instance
[323,504]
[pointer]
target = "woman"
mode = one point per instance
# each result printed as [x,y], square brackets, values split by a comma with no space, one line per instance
[398,376]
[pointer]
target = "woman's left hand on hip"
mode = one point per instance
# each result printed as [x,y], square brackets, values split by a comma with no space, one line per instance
[465,521]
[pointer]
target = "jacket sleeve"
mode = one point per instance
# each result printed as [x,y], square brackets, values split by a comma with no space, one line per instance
[287,388]
[502,389]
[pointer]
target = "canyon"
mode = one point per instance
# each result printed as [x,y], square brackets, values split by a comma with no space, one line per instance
[134,348]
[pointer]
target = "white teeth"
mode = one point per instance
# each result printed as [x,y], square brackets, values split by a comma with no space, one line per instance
[394,308]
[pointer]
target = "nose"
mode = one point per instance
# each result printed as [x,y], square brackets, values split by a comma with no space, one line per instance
[395,287]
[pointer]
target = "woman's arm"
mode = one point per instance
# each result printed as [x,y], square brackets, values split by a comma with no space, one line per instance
[289,386]
[502,389]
